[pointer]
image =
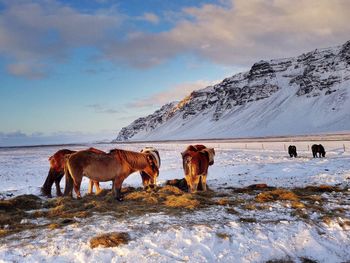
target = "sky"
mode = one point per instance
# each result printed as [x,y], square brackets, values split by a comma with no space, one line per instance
[74,71]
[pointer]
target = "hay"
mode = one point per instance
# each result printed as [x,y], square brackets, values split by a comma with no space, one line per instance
[223,201]
[297,205]
[4,232]
[136,196]
[179,183]
[257,186]
[183,201]
[322,188]
[275,195]
[23,202]
[112,239]
[169,189]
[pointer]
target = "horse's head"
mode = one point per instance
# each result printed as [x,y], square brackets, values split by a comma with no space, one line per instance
[211,154]
[151,169]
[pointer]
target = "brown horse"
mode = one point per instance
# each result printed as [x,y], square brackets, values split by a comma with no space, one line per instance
[56,172]
[116,165]
[196,160]
[146,179]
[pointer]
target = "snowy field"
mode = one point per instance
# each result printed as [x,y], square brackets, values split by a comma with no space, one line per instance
[213,234]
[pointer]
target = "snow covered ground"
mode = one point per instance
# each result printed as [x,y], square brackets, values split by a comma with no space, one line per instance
[206,235]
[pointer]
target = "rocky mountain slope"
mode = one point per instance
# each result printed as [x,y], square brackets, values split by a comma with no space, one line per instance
[300,95]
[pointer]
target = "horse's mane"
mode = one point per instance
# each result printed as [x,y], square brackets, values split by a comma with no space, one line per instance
[134,159]
[154,152]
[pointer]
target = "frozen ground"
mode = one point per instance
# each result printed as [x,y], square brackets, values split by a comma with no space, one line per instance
[207,235]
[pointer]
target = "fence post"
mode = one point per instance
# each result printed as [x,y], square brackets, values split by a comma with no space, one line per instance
[262,146]
[344,147]
[308,147]
[246,146]
[284,146]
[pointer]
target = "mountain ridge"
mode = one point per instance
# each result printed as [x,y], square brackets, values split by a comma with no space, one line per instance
[297,95]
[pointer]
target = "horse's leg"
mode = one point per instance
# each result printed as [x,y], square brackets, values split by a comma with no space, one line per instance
[77,183]
[195,183]
[204,182]
[97,186]
[91,187]
[57,183]
[117,189]
[189,182]
[46,188]
[145,179]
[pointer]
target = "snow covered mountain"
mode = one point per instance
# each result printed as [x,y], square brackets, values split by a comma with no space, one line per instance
[300,95]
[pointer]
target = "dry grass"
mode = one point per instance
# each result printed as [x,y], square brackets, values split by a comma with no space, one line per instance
[276,195]
[168,200]
[183,201]
[112,239]
[169,189]
[223,201]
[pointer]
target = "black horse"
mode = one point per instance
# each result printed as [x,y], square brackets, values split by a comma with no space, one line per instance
[292,151]
[318,148]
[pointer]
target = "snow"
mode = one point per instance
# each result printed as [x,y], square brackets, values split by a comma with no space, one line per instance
[207,235]
[308,94]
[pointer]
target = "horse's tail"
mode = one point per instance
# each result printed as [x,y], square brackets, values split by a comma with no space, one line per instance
[68,190]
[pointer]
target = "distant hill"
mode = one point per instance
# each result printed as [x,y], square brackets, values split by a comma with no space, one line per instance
[299,95]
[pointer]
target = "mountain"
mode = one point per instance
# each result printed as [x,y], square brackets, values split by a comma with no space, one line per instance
[299,95]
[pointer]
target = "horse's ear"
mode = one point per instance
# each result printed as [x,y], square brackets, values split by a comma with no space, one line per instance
[191,148]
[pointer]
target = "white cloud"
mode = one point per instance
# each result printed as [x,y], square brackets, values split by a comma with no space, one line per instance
[19,138]
[236,32]
[150,17]
[98,108]
[175,93]
[242,33]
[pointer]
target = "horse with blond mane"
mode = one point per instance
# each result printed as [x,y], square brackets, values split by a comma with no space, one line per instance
[196,160]
[56,172]
[114,166]
[146,179]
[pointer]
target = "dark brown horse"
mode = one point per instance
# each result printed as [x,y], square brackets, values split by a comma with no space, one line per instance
[56,172]
[116,165]
[196,160]
[318,149]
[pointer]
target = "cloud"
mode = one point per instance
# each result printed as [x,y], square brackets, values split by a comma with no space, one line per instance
[34,34]
[241,33]
[28,70]
[98,108]
[150,17]
[175,93]
[20,138]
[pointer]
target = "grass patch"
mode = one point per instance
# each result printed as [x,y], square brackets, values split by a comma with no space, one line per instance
[276,195]
[183,201]
[112,239]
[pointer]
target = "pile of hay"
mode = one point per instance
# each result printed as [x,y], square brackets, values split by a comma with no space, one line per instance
[182,201]
[275,195]
[112,239]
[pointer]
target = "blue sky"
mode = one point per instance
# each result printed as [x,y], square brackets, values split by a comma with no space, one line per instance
[81,70]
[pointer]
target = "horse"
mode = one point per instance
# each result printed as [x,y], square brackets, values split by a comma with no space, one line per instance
[116,165]
[56,172]
[146,179]
[196,160]
[318,149]
[292,151]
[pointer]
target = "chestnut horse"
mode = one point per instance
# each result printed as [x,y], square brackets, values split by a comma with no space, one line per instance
[196,160]
[116,165]
[146,179]
[56,172]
